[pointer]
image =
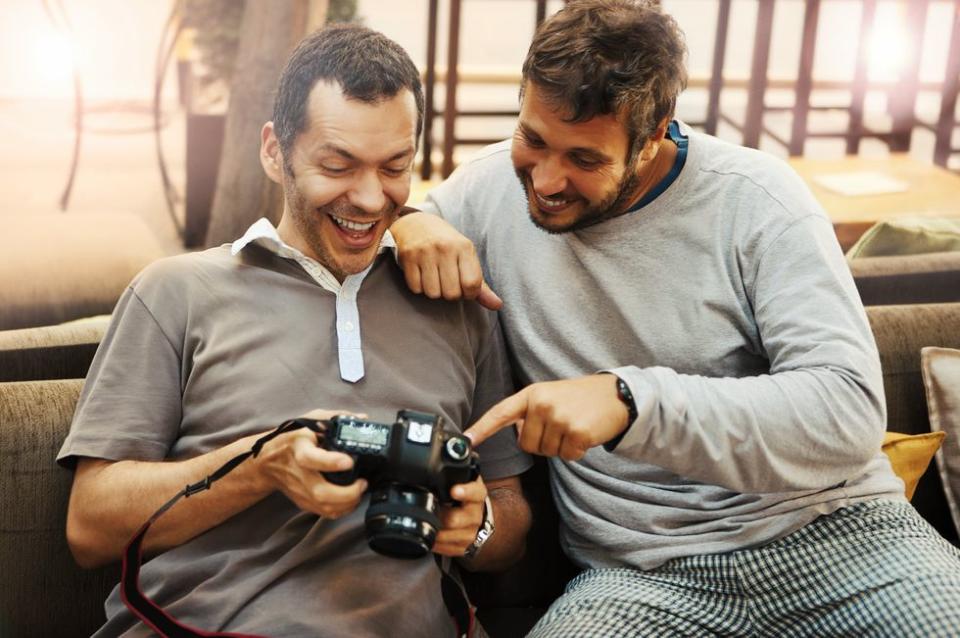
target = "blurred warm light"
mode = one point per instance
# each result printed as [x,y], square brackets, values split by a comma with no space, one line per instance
[54,57]
[888,43]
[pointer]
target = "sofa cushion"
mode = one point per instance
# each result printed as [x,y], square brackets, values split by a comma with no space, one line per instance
[42,591]
[51,352]
[941,376]
[900,333]
[66,266]
[910,456]
[908,236]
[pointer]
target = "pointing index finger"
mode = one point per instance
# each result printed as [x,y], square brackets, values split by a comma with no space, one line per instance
[508,411]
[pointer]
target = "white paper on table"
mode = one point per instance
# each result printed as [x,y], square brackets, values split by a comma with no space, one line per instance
[861,183]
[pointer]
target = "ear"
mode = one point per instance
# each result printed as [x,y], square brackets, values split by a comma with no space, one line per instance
[652,145]
[271,157]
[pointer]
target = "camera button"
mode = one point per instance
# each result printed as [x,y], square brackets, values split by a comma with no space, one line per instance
[458,448]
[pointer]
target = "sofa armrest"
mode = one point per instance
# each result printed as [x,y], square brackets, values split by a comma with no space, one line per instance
[42,590]
[907,279]
[51,352]
[900,332]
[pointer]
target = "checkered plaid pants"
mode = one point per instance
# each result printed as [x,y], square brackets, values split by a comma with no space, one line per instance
[872,569]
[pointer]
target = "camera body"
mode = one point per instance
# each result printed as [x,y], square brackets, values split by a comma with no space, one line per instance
[411,465]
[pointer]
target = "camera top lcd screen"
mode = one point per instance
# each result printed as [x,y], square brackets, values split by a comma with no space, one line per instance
[367,433]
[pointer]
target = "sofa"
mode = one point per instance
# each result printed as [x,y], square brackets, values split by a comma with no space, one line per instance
[43,593]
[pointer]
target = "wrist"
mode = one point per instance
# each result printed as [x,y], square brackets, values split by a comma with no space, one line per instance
[484,532]
[625,397]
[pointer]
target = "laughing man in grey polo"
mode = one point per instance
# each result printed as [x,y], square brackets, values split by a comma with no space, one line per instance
[208,351]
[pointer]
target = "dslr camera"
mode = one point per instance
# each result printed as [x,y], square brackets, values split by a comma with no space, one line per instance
[411,465]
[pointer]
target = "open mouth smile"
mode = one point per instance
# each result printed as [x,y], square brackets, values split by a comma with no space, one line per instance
[353,227]
[552,204]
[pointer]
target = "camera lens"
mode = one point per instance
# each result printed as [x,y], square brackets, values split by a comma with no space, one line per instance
[401,521]
[457,448]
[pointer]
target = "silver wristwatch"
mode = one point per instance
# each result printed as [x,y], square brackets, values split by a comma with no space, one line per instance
[485,531]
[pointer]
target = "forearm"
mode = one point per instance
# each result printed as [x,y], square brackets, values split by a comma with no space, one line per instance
[508,543]
[815,416]
[111,500]
[796,430]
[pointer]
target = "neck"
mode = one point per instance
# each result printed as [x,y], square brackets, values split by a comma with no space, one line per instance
[291,236]
[653,171]
[287,230]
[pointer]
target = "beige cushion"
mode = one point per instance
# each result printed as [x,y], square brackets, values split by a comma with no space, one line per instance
[908,236]
[941,377]
[58,267]
[42,591]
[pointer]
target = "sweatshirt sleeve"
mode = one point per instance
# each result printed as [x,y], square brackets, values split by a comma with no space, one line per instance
[813,422]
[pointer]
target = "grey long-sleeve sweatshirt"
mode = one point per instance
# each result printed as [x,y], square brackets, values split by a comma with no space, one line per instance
[726,305]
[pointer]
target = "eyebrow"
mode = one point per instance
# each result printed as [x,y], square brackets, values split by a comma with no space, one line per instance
[344,153]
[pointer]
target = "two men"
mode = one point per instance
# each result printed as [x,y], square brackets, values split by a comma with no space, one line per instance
[208,351]
[722,474]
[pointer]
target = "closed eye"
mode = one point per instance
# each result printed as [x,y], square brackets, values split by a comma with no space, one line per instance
[395,171]
[587,163]
[531,140]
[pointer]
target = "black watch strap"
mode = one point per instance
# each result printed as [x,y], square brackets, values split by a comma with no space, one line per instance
[626,397]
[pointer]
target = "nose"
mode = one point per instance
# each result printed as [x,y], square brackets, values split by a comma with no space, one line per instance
[548,176]
[367,193]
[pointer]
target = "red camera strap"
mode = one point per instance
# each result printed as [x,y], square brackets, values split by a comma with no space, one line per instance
[169,627]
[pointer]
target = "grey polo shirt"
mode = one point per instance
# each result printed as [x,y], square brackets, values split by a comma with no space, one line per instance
[209,347]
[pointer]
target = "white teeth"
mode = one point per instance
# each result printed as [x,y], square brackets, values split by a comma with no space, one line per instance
[551,204]
[354,226]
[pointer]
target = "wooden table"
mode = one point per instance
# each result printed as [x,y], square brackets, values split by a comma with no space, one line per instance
[931,191]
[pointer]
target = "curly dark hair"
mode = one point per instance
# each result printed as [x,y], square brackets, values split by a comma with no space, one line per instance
[600,57]
[367,65]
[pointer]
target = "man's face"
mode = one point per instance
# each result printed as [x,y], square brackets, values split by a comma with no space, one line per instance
[574,174]
[347,175]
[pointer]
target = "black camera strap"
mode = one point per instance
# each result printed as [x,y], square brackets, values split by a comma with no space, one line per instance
[153,615]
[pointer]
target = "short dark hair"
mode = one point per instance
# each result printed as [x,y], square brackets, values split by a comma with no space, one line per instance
[367,65]
[601,57]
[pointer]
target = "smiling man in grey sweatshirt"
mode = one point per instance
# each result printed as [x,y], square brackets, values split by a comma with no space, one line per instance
[722,473]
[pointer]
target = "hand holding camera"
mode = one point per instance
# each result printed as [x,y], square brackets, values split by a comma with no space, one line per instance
[426,493]
[411,465]
[294,465]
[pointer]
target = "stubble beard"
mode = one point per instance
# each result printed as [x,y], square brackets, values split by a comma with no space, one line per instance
[308,223]
[613,206]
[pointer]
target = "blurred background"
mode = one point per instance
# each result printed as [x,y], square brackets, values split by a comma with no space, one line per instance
[124,108]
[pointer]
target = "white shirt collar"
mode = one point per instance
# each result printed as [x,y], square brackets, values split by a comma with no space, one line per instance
[264,234]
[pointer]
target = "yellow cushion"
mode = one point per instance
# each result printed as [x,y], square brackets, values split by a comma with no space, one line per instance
[910,454]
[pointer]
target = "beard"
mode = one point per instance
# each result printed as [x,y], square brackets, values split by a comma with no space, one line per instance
[309,223]
[612,206]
